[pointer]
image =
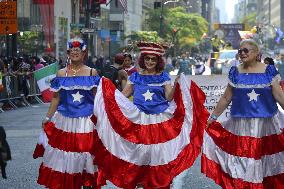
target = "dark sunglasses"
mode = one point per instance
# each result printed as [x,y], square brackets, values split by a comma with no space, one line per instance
[245,50]
[153,59]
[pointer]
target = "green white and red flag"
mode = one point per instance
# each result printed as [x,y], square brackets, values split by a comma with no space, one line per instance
[43,77]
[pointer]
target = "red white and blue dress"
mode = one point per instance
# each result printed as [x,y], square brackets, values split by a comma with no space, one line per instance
[148,141]
[69,138]
[247,150]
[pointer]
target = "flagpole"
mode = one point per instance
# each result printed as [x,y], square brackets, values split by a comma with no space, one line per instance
[108,2]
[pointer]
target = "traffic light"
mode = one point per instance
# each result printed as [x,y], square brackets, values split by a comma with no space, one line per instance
[96,9]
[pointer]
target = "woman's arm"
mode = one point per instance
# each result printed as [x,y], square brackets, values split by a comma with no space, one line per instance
[128,90]
[223,103]
[122,78]
[170,90]
[52,108]
[278,93]
[54,101]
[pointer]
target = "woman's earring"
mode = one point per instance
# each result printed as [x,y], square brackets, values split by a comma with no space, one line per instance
[258,57]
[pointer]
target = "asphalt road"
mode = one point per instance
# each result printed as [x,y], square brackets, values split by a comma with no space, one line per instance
[23,126]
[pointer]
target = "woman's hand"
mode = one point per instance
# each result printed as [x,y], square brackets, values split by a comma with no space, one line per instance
[176,80]
[44,121]
[211,119]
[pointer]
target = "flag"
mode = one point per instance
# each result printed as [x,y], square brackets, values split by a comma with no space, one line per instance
[43,77]
[279,34]
[124,5]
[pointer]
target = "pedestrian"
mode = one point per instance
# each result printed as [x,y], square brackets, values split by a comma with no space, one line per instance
[38,62]
[5,152]
[68,157]
[128,64]
[247,150]
[115,72]
[149,141]
[185,66]
[280,65]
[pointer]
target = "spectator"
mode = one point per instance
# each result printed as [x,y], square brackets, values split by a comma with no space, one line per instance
[280,66]
[128,64]
[38,63]
[268,60]
[184,65]
[5,153]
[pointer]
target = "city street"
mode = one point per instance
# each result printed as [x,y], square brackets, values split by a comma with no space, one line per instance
[22,127]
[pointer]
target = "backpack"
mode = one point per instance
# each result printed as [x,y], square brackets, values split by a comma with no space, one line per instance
[111,72]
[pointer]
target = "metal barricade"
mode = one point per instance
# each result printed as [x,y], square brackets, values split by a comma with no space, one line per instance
[13,95]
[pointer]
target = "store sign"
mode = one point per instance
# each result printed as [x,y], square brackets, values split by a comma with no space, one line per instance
[8,17]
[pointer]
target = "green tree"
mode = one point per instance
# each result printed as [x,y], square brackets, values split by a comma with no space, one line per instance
[27,42]
[249,20]
[182,29]
[144,36]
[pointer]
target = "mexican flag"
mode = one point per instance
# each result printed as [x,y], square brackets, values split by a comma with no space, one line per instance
[43,77]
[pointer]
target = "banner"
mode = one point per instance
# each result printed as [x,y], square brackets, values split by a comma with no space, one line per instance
[213,86]
[43,77]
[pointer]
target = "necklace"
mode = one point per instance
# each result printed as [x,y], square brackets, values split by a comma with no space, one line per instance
[75,71]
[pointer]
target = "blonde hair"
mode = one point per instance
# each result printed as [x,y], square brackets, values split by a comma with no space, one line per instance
[250,42]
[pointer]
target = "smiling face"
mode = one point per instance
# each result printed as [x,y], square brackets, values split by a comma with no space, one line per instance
[150,62]
[76,54]
[248,53]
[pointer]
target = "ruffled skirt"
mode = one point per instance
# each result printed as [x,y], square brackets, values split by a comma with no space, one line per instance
[66,146]
[245,153]
[136,148]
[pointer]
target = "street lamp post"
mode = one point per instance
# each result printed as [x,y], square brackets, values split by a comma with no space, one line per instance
[161,18]
[162,14]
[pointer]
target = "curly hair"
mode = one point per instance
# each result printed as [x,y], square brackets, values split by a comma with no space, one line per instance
[160,62]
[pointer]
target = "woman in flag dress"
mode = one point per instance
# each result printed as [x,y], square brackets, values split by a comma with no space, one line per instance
[68,137]
[151,140]
[247,150]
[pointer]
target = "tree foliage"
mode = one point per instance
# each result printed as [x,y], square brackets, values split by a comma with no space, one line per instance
[179,27]
[27,42]
[144,36]
[249,20]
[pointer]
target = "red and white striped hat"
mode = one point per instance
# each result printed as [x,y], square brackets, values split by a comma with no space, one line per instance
[151,48]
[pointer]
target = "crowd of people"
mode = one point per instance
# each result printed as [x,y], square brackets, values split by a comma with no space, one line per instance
[20,69]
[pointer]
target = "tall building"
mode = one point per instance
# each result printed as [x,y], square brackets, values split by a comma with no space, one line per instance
[221,5]
[270,12]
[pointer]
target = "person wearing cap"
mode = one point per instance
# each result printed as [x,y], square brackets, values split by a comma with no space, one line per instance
[67,138]
[115,72]
[149,141]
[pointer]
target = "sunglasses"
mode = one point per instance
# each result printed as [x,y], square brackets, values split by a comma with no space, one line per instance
[245,50]
[75,50]
[153,59]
